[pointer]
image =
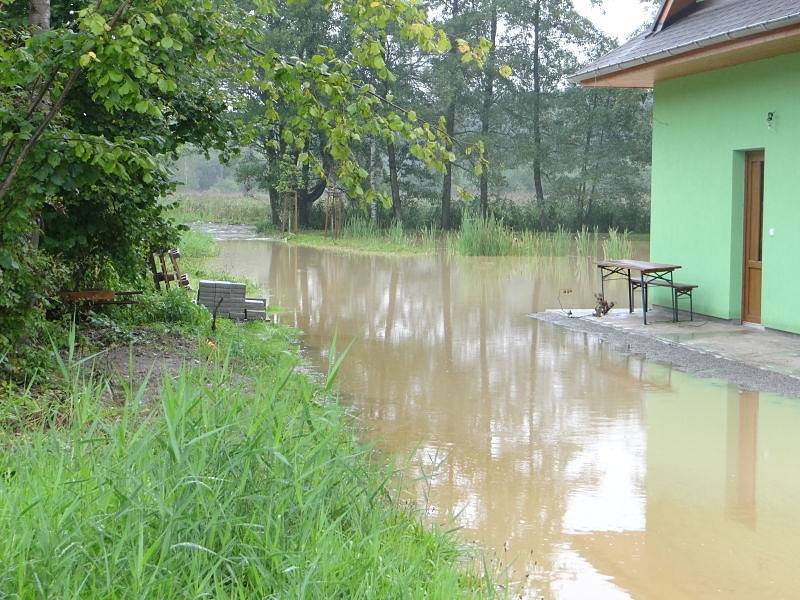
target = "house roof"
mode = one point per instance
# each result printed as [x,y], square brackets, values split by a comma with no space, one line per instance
[697,25]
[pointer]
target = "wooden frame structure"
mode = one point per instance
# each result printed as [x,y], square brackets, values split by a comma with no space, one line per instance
[333,211]
[181,279]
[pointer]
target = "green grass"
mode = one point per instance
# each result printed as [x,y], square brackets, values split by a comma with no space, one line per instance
[245,480]
[360,235]
[231,209]
[224,490]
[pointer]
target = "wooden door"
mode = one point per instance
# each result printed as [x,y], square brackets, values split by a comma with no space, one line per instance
[753,236]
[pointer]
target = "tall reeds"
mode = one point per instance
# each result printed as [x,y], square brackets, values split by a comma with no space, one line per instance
[223,490]
[618,245]
[482,237]
[587,242]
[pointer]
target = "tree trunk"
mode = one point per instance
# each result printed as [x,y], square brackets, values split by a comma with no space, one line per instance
[394,183]
[450,118]
[486,111]
[537,110]
[373,209]
[39,16]
[587,146]
[275,205]
[447,182]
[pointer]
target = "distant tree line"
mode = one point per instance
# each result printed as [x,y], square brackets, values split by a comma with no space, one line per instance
[550,153]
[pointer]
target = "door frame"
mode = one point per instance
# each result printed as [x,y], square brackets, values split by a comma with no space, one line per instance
[750,157]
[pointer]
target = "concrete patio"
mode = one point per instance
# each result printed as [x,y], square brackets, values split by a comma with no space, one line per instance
[751,357]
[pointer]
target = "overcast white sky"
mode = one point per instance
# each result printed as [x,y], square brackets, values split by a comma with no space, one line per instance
[618,18]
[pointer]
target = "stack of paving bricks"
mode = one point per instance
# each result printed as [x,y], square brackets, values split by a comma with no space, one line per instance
[225,294]
[256,309]
[230,297]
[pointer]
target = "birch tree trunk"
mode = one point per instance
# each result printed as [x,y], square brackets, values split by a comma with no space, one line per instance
[486,110]
[537,111]
[39,15]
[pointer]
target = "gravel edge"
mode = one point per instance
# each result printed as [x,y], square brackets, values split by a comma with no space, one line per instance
[690,360]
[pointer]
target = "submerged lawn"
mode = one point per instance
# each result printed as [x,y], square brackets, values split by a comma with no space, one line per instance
[367,244]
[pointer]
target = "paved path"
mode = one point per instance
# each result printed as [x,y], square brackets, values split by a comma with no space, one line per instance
[754,359]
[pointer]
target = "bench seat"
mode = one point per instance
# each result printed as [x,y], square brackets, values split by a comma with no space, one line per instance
[679,290]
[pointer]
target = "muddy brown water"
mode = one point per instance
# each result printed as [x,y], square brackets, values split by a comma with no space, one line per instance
[592,474]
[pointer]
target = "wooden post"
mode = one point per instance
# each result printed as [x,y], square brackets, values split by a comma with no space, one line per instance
[153,269]
[164,269]
[338,216]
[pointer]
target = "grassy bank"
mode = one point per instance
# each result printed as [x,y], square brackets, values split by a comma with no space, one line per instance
[422,242]
[242,479]
[231,209]
[476,237]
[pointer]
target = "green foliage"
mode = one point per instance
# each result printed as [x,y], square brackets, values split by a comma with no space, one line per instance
[29,286]
[170,307]
[221,491]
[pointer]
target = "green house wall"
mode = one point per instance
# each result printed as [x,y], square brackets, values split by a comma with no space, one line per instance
[702,127]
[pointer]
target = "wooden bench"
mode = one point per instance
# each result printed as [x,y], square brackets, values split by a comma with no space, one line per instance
[679,290]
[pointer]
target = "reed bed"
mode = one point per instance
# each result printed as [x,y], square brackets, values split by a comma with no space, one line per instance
[587,242]
[231,209]
[222,491]
[482,237]
[618,245]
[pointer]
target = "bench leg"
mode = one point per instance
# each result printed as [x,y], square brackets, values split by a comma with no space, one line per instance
[644,298]
[675,306]
[630,292]
[602,284]
[691,307]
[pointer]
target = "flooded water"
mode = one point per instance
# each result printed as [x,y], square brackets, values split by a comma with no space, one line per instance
[592,474]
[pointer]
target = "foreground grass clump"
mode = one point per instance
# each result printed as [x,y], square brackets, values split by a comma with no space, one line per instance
[245,482]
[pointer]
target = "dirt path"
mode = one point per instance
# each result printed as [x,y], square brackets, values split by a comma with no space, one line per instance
[148,356]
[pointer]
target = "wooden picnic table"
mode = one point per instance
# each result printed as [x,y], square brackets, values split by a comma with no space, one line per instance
[648,273]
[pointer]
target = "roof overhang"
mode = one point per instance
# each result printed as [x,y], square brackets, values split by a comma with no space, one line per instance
[733,48]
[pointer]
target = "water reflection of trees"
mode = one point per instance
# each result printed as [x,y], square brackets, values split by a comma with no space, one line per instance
[447,361]
[533,419]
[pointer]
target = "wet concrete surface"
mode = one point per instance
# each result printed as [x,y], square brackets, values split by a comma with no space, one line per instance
[750,357]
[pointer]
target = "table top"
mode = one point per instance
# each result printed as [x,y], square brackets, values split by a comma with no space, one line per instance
[637,265]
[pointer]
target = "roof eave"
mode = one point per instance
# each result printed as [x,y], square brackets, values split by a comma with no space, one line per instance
[592,75]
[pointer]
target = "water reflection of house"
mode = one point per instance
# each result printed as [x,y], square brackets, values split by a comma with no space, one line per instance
[725,129]
[721,489]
